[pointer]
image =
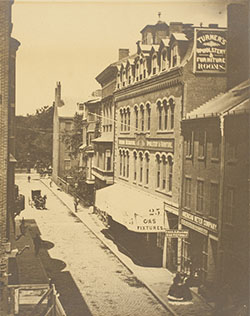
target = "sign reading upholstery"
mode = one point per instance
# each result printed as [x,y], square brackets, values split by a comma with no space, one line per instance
[175,233]
[210,51]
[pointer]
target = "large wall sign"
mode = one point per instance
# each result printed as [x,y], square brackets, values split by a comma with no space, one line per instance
[210,50]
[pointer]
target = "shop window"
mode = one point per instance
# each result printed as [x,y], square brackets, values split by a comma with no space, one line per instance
[187,199]
[230,205]
[201,144]
[170,174]
[204,259]
[68,126]
[214,199]
[185,262]
[200,196]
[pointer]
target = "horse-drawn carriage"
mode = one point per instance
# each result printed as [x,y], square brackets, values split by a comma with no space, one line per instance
[38,200]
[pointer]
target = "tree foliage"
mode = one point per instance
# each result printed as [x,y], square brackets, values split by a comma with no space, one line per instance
[73,138]
[34,137]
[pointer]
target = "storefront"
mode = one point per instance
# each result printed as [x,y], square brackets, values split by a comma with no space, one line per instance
[140,213]
[198,251]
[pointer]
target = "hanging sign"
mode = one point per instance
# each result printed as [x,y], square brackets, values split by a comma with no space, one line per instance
[176,233]
[210,50]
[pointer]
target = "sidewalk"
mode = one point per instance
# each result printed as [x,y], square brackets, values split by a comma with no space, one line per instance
[157,280]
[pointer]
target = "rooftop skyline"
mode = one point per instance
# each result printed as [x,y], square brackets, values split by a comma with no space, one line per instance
[72,42]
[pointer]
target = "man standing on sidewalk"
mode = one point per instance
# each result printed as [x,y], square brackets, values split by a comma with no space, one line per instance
[76,202]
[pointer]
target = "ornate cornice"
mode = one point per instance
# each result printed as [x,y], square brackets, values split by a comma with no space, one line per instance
[159,82]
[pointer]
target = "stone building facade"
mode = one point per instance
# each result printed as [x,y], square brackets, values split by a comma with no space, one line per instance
[155,88]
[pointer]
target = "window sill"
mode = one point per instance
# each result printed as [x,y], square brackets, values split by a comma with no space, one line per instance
[232,161]
[134,182]
[186,208]
[189,157]
[212,218]
[201,158]
[124,133]
[215,159]
[168,193]
[140,184]
[146,186]
[169,131]
[123,178]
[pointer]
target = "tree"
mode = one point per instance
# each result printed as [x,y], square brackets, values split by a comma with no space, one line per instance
[34,135]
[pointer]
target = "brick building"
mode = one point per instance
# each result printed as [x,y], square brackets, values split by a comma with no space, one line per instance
[154,90]
[214,205]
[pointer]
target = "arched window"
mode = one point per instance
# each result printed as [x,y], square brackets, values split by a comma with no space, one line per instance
[120,163]
[125,120]
[172,106]
[146,168]
[135,165]
[141,167]
[142,118]
[158,171]
[164,172]
[121,113]
[123,165]
[170,174]
[159,107]
[127,164]
[136,118]
[165,107]
[128,113]
[148,116]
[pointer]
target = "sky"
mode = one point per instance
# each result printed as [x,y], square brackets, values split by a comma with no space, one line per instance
[73,41]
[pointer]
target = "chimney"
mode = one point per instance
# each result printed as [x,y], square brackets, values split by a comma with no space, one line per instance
[58,94]
[175,27]
[237,44]
[123,52]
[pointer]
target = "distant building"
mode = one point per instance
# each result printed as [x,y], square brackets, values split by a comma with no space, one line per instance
[63,122]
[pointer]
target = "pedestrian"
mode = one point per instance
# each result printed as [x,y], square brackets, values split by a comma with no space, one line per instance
[50,183]
[22,227]
[76,202]
[37,243]
[175,292]
[29,178]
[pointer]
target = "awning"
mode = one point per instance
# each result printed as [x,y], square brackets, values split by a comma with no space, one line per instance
[103,139]
[133,208]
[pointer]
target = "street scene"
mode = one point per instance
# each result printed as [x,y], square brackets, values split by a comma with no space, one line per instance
[124,158]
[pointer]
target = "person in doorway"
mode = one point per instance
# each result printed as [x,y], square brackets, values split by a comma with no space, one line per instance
[22,227]
[37,243]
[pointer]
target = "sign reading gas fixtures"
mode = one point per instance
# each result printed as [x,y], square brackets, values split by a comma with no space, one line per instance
[175,233]
[210,50]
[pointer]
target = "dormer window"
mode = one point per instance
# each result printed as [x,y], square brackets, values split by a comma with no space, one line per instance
[164,61]
[175,58]
[141,69]
[124,78]
[154,64]
[118,80]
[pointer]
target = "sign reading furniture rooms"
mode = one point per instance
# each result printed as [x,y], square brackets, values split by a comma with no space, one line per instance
[210,51]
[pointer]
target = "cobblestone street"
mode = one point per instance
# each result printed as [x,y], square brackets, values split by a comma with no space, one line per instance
[105,286]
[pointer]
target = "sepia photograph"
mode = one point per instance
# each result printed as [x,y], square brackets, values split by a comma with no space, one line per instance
[124,158]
